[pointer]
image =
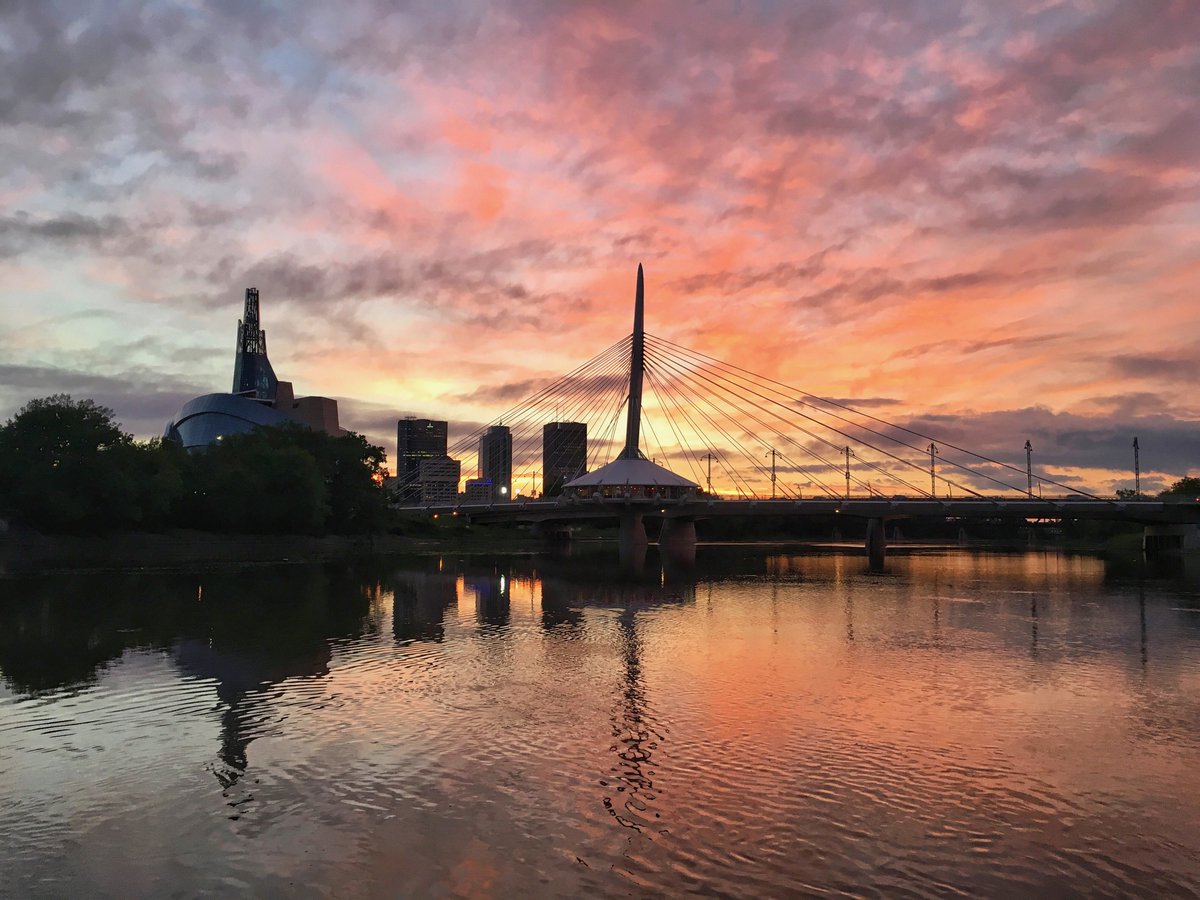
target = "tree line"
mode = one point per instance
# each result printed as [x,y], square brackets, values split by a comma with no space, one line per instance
[67,466]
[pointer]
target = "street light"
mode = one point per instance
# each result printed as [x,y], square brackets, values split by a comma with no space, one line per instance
[1029,467]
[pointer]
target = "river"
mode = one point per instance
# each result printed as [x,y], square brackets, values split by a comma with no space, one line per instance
[777,721]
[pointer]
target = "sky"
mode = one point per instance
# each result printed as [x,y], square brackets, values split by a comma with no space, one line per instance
[978,219]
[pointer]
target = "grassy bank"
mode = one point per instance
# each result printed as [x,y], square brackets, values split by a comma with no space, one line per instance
[29,552]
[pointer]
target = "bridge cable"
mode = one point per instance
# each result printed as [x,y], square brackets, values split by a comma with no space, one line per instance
[577,408]
[578,405]
[714,425]
[609,433]
[738,483]
[525,432]
[689,454]
[729,385]
[604,361]
[914,432]
[665,387]
[751,458]
[699,401]
[518,428]
[704,368]
[602,399]
[723,391]
[699,431]
[464,442]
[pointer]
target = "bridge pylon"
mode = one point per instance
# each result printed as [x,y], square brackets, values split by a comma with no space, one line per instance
[637,371]
[631,476]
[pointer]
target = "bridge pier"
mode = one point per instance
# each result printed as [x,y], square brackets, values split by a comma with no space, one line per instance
[876,543]
[1160,541]
[632,541]
[677,540]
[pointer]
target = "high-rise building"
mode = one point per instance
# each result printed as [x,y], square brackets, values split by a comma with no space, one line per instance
[438,479]
[564,455]
[495,460]
[417,440]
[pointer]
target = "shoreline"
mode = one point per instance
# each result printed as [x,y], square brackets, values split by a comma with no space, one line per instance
[28,553]
[32,553]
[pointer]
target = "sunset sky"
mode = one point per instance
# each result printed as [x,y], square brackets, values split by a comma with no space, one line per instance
[979,218]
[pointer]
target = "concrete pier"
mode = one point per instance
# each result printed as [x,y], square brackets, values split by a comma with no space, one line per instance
[677,540]
[632,541]
[1160,541]
[876,543]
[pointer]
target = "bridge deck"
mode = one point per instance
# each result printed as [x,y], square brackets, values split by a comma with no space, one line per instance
[572,509]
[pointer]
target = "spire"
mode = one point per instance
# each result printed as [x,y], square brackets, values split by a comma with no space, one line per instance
[252,372]
[637,365]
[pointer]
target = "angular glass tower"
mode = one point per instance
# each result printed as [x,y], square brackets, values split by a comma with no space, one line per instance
[252,372]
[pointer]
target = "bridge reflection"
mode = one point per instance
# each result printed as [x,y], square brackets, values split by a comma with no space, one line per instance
[257,634]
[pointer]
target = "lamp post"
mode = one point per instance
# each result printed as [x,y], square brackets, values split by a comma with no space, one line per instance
[1029,468]
[933,452]
[1137,470]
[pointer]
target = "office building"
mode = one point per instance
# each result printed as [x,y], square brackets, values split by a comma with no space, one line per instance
[478,490]
[495,460]
[437,479]
[564,455]
[418,440]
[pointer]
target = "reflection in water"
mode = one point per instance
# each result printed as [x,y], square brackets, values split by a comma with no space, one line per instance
[492,598]
[975,723]
[636,736]
[421,600]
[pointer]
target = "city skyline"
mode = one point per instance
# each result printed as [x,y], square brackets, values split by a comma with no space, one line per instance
[981,221]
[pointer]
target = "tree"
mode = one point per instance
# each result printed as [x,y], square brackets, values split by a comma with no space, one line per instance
[350,468]
[66,465]
[246,485]
[1188,486]
[286,478]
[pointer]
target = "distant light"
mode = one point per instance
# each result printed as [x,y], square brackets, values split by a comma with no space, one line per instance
[435,515]
[504,490]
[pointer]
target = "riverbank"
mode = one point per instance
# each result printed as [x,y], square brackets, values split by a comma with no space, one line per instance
[31,553]
[28,552]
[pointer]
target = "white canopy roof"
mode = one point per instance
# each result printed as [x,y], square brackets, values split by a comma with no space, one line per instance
[633,472]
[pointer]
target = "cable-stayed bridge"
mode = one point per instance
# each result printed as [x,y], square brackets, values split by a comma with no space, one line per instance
[704,438]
